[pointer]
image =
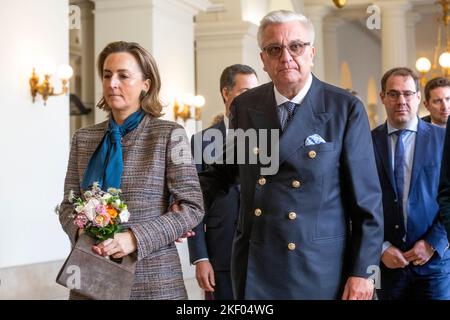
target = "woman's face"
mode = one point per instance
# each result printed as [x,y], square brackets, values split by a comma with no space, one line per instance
[123,82]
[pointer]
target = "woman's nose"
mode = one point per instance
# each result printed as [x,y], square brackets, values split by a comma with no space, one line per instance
[114,82]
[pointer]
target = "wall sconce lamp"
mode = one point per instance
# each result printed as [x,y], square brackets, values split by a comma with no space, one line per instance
[46,89]
[184,111]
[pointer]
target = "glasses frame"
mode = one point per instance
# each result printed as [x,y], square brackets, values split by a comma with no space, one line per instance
[282,47]
[408,95]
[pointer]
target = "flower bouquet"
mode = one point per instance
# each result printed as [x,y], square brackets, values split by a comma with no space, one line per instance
[99,213]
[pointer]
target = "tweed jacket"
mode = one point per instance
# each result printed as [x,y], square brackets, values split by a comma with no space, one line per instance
[150,179]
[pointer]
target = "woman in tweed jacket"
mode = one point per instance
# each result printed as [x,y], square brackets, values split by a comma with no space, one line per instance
[151,174]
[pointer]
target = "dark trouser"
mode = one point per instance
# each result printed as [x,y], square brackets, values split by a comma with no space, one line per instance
[223,289]
[405,284]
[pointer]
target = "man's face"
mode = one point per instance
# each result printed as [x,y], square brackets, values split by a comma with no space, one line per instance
[287,71]
[439,105]
[243,82]
[400,100]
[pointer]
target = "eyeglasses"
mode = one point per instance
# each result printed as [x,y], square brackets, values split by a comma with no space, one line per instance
[394,95]
[295,48]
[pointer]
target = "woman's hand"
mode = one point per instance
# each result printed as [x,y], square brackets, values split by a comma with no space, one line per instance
[123,244]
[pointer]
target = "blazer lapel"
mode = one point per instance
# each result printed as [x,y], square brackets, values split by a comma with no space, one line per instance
[263,115]
[307,120]
[420,153]
[382,145]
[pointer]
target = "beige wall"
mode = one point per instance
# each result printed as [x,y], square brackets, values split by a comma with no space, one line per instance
[35,138]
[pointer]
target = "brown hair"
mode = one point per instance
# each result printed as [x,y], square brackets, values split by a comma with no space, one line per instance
[435,83]
[228,77]
[150,102]
[402,71]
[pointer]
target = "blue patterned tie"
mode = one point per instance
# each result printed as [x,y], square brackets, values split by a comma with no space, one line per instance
[399,167]
[287,113]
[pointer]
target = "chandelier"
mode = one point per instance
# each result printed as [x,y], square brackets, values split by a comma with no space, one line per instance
[441,55]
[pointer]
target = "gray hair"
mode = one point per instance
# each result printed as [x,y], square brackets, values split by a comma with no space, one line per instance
[283,16]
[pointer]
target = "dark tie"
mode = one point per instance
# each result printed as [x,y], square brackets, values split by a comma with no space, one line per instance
[287,113]
[399,167]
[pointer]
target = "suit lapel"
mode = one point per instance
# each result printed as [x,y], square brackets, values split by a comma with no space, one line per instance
[307,120]
[382,145]
[263,115]
[420,153]
[221,127]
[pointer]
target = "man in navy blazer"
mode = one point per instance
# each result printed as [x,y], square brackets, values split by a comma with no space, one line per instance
[293,237]
[444,183]
[210,248]
[415,260]
[437,101]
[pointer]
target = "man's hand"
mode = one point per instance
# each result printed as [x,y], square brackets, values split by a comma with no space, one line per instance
[393,258]
[186,235]
[175,207]
[205,275]
[123,244]
[420,253]
[358,288]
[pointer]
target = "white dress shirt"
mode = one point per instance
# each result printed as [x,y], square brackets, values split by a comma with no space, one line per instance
[280,99]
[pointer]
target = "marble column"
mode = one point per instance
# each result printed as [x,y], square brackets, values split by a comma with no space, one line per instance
[394,36]
[331,49]
[316,12]
[218,45]
[412,18]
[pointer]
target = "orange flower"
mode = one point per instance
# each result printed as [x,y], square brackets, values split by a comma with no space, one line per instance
[111,211]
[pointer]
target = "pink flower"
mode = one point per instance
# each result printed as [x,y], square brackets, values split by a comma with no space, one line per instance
[100,209]
[102,220]
[80,221]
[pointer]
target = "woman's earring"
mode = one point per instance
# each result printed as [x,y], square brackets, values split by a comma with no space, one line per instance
[142,95]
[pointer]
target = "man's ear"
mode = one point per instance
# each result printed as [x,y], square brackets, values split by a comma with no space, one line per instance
[225,94]
[313,53]
[427,105]
[262,59]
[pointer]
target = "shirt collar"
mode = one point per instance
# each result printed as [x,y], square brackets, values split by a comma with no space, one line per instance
[280,99]
[412,126]
[226,120]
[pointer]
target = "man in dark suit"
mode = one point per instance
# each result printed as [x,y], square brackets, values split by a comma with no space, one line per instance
[444,183]
[210,248]
[293,238]
[437,101]
[408,151]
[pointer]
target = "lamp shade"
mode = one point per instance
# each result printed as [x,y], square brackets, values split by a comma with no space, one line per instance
[64,72]
[444,60]
[423,65]
[199,101]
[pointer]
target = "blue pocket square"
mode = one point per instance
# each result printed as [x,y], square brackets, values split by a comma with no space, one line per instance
[314,139]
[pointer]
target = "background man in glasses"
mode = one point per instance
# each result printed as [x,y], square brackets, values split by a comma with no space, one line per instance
[293,238]
[437,101]
[210,248]
[415,260]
